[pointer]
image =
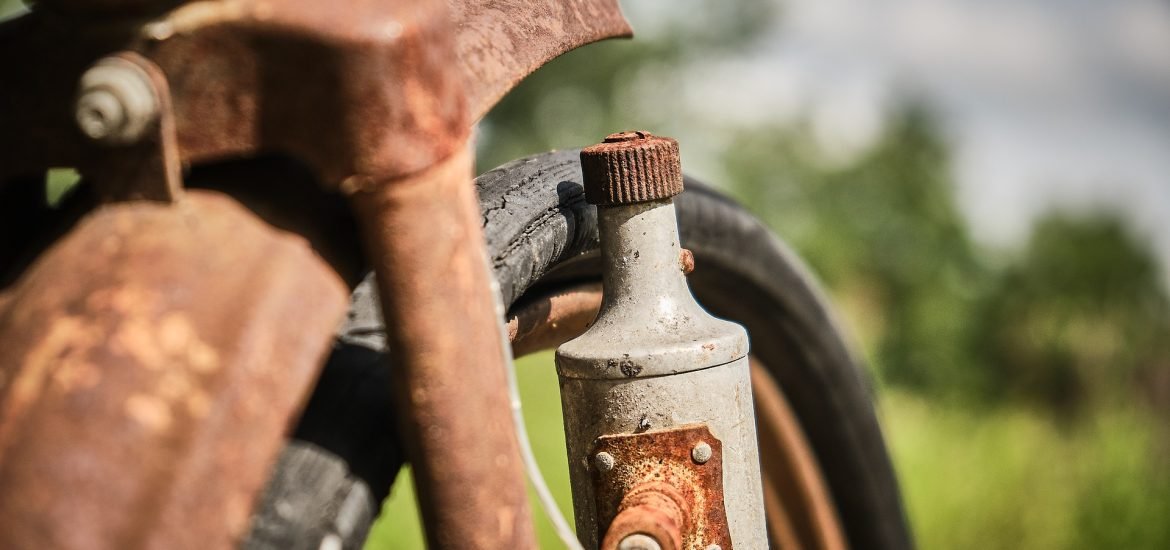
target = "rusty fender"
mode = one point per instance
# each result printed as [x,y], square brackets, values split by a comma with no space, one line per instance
[150,363]
[373,90]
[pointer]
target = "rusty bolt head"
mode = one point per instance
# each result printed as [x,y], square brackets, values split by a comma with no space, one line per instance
[639,541]
[686,261]
[604,461]
[116,102]
[631,167]
[701,453]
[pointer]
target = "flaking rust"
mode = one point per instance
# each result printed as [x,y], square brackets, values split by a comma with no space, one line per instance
[683,491]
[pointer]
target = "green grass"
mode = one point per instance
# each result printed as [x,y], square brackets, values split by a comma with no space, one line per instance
[1011,478]
[1003,478]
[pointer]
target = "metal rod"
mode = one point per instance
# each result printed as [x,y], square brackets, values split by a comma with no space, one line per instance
[423,236]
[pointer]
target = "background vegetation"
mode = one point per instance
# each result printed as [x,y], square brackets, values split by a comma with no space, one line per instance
[1023,391]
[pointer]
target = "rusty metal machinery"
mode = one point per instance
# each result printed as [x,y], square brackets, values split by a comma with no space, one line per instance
[377,99]
[656,393]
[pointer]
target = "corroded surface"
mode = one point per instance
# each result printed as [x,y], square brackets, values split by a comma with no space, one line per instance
[435,288]
[502,41]
[369,91]
[546,321]
[644,461]
[630,167]
[369,95]
[148,374]
[149,167]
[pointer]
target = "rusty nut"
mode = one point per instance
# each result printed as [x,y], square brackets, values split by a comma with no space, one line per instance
[631,167]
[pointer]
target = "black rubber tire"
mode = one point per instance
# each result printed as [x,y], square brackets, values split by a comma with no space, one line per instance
[540,231]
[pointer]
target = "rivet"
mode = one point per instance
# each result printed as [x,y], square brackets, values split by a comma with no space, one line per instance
[701,453]
[604,461]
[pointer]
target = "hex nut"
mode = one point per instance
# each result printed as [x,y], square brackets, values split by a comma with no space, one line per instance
[701,452]
[116,102]
[604,461]
[639,541]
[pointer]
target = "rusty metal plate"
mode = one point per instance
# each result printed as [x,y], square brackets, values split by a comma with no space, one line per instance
[665,456]
[150,364]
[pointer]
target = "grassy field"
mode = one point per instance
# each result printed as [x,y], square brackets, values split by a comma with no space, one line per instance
[1011,478]
[1003,478]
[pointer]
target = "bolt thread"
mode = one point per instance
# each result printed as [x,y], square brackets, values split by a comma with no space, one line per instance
[631,167]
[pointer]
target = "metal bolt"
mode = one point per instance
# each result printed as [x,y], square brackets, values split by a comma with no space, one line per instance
[714,547]
[116,102]
[639,541]
[604,461]
[701,453]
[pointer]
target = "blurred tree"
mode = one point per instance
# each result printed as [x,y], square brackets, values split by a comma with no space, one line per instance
[1082,313]
[885,233]
[1079,313]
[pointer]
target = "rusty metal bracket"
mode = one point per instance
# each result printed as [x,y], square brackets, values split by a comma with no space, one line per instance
[147,167]
[687,459]
[374,91]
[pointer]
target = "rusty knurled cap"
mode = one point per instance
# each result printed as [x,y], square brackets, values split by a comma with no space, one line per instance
[630,167]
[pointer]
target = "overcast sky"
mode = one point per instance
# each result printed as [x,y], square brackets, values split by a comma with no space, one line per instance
[1047,102]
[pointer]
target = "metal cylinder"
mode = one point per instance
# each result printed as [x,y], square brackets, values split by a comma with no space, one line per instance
[654,359]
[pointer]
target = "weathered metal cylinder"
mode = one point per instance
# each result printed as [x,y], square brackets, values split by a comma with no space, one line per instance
[654,359]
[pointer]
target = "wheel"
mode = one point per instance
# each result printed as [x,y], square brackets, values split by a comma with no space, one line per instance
[829,481]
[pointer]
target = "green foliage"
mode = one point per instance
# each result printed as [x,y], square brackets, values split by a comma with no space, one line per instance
[885,233]
[1012,478]
[1079,314]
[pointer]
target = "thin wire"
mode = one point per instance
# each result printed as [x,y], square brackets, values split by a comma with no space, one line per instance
[551,510]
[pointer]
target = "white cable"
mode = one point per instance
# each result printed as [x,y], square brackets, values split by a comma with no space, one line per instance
[551,510]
